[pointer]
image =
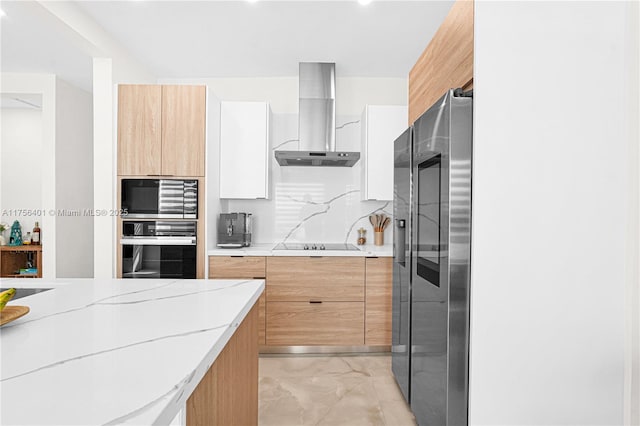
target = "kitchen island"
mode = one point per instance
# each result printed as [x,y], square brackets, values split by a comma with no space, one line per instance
[95,351]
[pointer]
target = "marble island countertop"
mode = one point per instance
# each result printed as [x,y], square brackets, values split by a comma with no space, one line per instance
[267,249]
[95,351]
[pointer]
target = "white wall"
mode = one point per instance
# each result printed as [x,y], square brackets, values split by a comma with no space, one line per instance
[352,93]
[214,206]
[74,181]
[549,217]
[632,370]
[104,170]
[44,85]
[112,64]
[107,73]
[126,67]
[20,158]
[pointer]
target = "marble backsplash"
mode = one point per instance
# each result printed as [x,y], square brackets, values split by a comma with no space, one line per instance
[313,204]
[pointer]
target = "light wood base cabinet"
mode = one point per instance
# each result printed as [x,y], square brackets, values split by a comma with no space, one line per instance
[304,279]
[304,323]
[228,393]
[379,276]
[236,267]
[317,301]
[239,267]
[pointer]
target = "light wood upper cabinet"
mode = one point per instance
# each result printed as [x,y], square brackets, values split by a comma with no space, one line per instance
[139,130]
[183,130]
[379,277]
[381,125]
[446,63]
[161,130]
[244,150]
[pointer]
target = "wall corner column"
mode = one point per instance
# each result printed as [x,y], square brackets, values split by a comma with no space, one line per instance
[103,167]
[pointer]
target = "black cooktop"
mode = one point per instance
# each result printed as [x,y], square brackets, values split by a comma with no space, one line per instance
[314,246]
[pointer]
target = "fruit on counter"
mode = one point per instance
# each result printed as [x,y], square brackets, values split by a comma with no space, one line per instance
[5,296]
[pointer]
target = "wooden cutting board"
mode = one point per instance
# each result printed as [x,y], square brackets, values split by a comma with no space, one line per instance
[11,313]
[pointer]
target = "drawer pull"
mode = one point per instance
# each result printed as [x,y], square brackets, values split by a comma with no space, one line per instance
[236,256]
[315,301]
[259,278]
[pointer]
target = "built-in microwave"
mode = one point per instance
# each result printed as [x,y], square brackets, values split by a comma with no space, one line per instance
[159,198]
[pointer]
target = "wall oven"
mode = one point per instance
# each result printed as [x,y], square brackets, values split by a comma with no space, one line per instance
[159,198]
[158,249]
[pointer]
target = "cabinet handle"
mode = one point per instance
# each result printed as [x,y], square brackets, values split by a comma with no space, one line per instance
[236,256]
[259,278]
[315,257]
[315,301]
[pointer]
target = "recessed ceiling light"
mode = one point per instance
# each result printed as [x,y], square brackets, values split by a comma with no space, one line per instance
[2,13]
[364,2]
[252,1]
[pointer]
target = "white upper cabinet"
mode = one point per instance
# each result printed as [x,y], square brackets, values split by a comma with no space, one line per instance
[244,150]
[381,125]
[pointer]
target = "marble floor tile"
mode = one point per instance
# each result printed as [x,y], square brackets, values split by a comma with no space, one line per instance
[330,390]
[387,389]
[396,413]
[306,366]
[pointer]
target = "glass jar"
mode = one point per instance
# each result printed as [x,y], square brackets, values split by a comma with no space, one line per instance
[362,239]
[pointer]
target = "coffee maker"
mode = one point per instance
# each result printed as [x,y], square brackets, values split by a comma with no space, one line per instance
[234,230]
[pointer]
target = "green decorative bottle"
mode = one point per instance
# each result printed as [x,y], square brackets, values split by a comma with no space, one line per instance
[16,234]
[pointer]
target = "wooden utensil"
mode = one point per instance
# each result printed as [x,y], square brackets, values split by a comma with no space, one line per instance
[377,221]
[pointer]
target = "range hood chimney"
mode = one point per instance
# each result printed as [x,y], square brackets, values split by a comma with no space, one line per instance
[317,120]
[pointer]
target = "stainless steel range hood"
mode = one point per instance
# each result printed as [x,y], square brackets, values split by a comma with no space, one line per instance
[317,121]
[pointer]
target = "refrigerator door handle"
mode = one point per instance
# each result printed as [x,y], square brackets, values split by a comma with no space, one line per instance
[400,249]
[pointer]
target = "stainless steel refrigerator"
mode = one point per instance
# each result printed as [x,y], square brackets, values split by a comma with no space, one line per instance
[432,259]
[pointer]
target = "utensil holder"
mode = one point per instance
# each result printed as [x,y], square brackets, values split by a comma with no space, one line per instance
[378,238]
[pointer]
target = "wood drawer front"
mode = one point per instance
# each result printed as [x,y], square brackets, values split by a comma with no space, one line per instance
[304,323]
[301,279]
[236,267]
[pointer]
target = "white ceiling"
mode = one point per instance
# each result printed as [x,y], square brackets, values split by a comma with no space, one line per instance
[33,40]
[193,39]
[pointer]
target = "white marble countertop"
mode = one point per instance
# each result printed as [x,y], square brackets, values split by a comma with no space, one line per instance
[114,351]
[262,249]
